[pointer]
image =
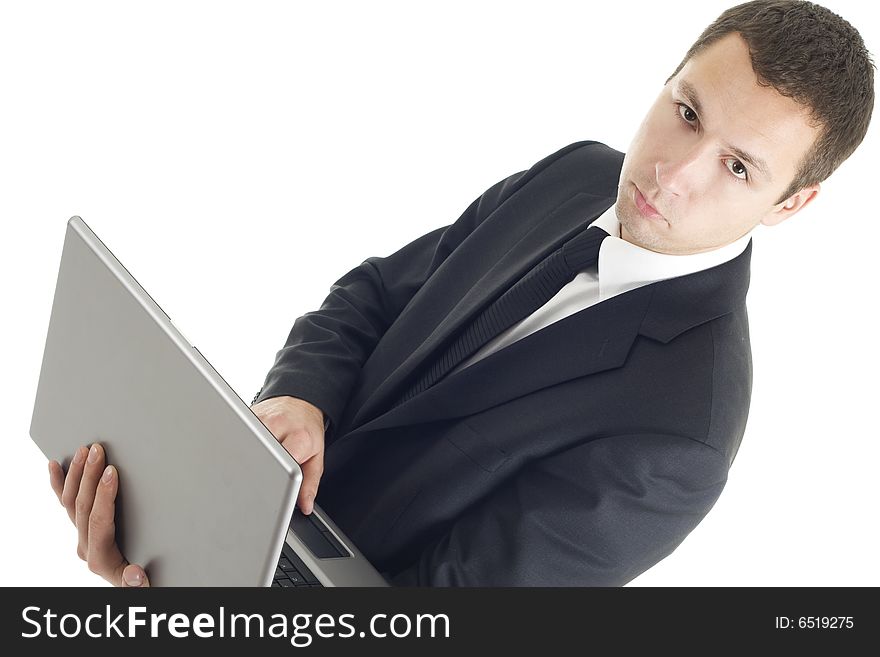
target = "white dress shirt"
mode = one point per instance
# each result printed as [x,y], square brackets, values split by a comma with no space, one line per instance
[622,266]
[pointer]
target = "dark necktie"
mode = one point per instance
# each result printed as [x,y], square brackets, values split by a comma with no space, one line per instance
[531,292]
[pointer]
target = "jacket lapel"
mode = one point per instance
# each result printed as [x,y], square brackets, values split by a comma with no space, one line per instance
[589,341]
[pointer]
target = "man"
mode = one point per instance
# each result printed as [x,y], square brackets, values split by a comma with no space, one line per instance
[552,389]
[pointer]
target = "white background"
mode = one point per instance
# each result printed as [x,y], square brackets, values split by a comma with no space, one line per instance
[238,158]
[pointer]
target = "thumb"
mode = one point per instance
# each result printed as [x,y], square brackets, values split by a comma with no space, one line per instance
[134,576]
[312,470]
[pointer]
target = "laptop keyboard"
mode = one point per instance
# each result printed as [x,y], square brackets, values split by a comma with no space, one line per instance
[291,571]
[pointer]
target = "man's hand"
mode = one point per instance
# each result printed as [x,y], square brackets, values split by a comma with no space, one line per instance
[299,427]
[88,493]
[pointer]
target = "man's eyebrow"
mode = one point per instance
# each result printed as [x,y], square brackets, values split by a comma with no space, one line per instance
[690,93]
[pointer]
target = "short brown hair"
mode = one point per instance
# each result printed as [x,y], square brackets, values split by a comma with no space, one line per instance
[812,55]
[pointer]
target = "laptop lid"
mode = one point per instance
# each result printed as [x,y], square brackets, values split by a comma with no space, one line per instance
[206,491]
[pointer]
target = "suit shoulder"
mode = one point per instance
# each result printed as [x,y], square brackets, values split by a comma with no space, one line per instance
[731,381]
[581,167]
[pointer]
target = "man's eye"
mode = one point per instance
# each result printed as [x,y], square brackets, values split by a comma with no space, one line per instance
[687,113]
[737,169]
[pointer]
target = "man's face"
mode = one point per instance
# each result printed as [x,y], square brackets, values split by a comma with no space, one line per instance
[690,157]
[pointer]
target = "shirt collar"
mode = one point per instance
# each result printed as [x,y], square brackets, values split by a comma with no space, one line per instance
[624,266]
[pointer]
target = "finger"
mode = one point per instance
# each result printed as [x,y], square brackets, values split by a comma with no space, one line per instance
[134,575]
[312,471]
[307,448]
[71,483]
[104,557]
[56,478]
[85,498]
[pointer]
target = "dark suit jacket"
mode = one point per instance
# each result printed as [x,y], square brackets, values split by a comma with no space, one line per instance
[581,454]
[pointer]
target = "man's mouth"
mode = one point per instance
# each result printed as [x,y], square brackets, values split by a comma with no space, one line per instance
[646,209]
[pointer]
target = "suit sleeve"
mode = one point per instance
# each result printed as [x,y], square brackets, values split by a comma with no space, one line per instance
[327,348]
[598,514]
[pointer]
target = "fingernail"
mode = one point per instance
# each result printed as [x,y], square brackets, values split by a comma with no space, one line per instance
[108,474]
[93,454]
[132,577]
[78,456]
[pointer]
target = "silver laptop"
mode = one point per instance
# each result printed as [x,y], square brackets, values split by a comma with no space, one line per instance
[207,494]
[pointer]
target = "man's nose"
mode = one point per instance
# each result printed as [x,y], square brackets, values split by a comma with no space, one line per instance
[683,171]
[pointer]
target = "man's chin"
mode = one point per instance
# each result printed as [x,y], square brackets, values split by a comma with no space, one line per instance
[638,233]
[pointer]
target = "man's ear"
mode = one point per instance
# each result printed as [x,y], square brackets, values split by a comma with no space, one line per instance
[791,205]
